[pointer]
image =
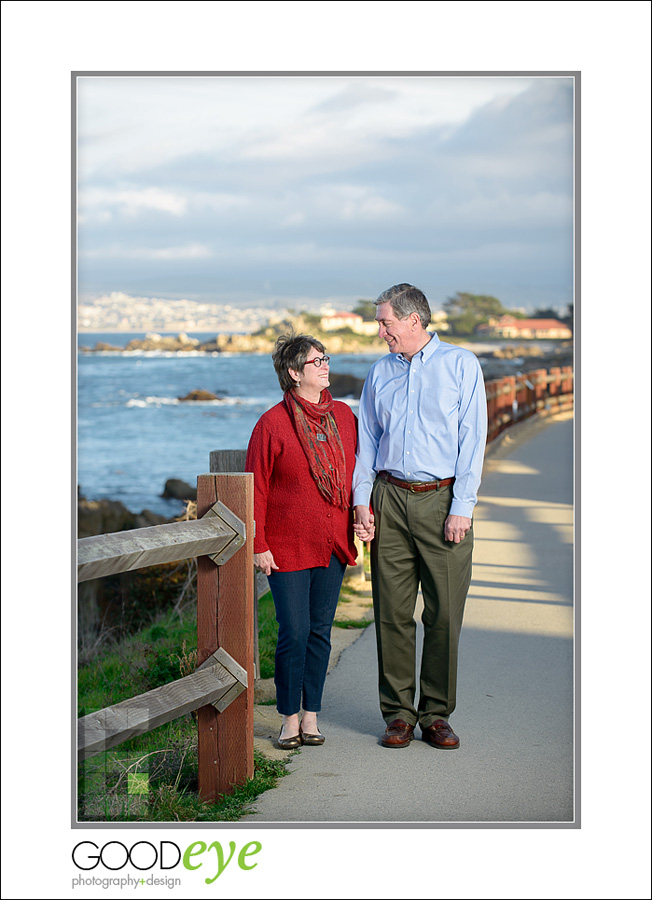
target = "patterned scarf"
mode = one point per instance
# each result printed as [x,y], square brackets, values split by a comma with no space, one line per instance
[317,431]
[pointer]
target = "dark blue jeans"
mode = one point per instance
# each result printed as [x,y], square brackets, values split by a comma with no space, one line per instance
[305,603]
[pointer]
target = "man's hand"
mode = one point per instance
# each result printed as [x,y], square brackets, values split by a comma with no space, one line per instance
[455,528]
[265,562]
[363,523]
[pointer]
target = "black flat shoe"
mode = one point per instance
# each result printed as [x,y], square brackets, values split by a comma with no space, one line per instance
[291,743]
[311,740]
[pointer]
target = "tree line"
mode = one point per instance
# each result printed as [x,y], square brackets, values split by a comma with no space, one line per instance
[466,311]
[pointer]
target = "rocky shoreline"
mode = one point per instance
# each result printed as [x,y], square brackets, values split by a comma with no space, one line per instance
[503,356]
[235,343]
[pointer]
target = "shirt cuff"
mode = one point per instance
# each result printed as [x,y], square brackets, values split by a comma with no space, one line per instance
[361,497]
[460,508]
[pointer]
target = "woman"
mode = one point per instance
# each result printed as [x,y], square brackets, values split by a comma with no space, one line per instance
[302,454]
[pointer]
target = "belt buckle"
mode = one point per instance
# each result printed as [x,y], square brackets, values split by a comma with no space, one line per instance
[416,484]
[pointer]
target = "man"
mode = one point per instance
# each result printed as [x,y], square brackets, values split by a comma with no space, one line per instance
[421,438]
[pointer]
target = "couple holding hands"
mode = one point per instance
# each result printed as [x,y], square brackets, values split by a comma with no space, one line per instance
[409,469]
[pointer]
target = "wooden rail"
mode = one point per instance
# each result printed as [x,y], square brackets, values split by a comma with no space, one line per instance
[219,681]
[514,397]
[219,534]
[221,689]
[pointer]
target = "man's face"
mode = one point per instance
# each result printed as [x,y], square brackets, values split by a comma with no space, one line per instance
[401,335]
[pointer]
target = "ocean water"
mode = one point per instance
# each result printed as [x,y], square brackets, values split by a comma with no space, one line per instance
[134,434]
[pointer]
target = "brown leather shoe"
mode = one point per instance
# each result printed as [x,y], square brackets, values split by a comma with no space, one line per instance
[291,743]
[440,735]
[311,740]
[398,734]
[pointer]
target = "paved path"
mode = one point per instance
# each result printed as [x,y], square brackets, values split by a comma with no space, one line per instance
[515,691]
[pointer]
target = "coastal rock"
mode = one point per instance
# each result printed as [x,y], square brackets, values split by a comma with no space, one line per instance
[103,346]
[199,396]
[244,343]
[175,489]
[514,359]
[168,343]
[108,516]
[345,385]
[147,518]
[514,351]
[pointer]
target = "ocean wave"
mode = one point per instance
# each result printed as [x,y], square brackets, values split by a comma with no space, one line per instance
[142,402]
[162,354]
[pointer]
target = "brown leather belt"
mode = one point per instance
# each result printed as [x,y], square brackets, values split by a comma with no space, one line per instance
[416,486]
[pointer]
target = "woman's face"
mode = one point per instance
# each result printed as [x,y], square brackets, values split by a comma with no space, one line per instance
[313,378]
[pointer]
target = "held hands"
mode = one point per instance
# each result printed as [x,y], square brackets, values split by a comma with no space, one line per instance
[363,523]
[456,527]
[265,562]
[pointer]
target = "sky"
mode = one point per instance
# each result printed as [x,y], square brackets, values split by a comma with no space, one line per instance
[299,190]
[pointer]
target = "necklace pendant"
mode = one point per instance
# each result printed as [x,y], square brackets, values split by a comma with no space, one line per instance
[320,437]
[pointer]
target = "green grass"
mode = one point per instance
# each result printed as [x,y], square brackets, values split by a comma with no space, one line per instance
[153,777]
[160,784]
[160,653]
[267,635]
[359,623]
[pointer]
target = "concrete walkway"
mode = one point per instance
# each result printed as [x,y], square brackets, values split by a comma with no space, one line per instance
[515,691]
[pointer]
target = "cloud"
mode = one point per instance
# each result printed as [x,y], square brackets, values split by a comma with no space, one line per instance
[353,96]
[131,202]
[189,251]
[324,183]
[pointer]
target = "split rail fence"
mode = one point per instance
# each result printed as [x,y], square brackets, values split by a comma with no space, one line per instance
[221,688]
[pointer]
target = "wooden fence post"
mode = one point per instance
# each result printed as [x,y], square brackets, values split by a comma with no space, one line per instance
[225,619]
[567,380]
[522,397]
[491,410]
[510,399]
[234,461]
[554,381]
[540,379]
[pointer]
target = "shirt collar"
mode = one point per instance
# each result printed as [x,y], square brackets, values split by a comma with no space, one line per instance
[426,352]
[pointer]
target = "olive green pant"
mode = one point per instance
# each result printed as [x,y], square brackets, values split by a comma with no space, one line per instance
[409,549]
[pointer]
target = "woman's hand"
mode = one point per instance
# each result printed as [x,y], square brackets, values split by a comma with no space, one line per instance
[265,562]
[363,523]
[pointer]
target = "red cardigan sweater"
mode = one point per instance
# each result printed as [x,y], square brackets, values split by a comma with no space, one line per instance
[293,519]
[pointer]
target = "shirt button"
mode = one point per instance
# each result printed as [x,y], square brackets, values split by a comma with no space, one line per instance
[408,452]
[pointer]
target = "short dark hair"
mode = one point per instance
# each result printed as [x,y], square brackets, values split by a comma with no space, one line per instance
[406,299]
[291,353]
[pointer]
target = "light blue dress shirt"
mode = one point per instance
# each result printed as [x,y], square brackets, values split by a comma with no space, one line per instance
[424,420]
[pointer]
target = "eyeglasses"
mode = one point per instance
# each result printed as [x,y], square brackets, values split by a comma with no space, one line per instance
[317,361]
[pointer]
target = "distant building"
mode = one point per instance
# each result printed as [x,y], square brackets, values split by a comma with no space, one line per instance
[336,320]
[439,321]
[333,321]
[524,329]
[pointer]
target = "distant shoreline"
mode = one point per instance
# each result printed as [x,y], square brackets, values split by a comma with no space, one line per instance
[174,331]
[485,346]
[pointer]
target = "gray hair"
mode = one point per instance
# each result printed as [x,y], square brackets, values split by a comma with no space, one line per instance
[291,353]
[406,299]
